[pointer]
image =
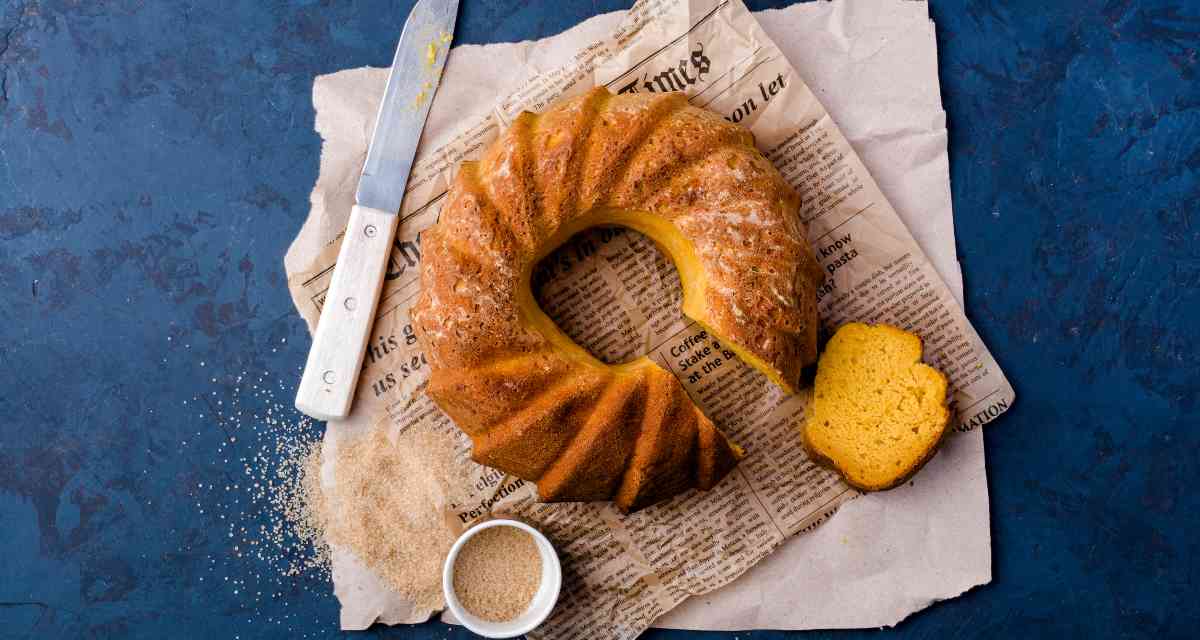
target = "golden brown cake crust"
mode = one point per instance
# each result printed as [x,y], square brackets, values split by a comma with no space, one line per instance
[500,369]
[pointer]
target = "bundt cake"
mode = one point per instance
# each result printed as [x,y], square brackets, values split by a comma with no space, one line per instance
[539,406]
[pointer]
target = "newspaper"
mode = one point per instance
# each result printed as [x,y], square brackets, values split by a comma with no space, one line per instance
[621,300]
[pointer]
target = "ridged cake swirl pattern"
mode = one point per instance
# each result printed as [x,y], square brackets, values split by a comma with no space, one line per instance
[540,407]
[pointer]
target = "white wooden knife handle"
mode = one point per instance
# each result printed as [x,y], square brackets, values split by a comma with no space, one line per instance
[335,360]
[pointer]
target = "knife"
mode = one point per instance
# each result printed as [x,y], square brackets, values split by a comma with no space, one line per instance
[335,360]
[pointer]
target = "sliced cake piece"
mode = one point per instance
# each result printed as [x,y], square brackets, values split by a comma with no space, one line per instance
[878,412]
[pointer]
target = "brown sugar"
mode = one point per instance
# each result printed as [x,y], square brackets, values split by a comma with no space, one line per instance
[497,573]
[387,505]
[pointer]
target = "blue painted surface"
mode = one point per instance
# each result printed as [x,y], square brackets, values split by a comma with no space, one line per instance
[155,161]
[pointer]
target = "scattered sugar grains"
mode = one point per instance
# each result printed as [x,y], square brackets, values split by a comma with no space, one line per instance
[265,454]
[497,572]
[387,506]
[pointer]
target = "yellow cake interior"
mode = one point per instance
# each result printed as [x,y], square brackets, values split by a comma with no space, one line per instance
[878,412]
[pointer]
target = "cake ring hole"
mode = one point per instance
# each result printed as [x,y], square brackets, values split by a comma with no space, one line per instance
[584,278]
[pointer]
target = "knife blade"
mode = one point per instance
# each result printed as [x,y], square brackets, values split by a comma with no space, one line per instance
[326,390]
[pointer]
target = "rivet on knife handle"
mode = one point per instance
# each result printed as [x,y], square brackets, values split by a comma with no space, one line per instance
[331,374]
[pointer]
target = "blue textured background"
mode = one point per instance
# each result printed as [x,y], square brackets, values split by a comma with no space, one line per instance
[155,162]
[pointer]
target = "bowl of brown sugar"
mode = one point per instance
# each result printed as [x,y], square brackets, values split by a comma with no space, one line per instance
[501,578]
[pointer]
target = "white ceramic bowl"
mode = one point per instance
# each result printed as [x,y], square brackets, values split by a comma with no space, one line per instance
[543,600]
